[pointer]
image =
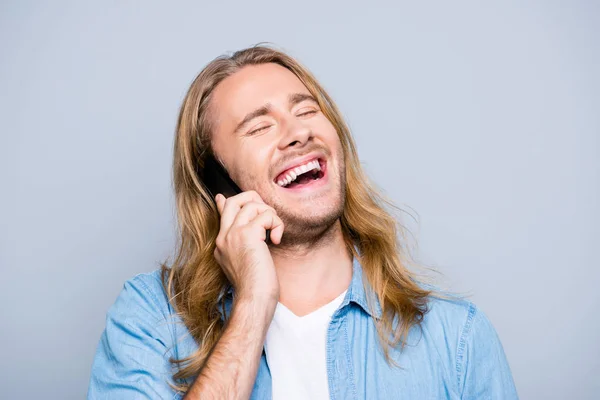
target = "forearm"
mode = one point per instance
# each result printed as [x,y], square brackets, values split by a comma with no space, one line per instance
[230,371]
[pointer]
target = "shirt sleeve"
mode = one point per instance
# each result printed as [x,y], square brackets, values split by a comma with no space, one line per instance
[482,366]
[132,358]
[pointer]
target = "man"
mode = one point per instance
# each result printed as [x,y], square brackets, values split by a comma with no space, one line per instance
[325,307]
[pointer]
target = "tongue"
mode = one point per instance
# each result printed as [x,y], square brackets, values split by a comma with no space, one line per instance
[301,180]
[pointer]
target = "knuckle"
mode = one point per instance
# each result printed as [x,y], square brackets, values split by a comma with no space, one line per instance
[256,196]
[253,204]
[269,208]
[246,232]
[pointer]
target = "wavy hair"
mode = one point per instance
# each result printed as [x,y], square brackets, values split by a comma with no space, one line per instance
[195,282]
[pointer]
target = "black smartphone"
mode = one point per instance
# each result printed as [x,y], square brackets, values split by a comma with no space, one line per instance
[217,180]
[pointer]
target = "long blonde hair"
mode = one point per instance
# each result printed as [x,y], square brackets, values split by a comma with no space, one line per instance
[195,281]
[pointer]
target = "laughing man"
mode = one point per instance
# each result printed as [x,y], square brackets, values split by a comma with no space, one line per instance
[325,307]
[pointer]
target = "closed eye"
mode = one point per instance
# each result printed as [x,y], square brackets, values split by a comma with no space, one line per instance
[307,113]
[258,130]
[255,131]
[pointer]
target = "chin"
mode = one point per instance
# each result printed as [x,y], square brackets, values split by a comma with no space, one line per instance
[310,221]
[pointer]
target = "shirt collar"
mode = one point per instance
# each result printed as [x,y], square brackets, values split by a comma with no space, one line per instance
[359,292]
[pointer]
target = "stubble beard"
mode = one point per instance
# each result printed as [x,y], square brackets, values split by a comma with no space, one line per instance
[303,229]
[310,228]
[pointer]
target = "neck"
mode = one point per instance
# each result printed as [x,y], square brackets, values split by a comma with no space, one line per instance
[313,274]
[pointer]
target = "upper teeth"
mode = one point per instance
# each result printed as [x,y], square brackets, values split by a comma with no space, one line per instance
[292,174]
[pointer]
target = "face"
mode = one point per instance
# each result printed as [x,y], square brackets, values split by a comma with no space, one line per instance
[273,138]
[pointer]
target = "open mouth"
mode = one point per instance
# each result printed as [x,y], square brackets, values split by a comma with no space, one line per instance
[302,175]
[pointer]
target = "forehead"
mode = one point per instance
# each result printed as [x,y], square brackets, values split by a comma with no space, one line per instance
[251,87]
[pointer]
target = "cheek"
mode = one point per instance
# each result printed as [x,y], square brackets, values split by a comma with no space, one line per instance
[252,165]
[334,144]
[328,133]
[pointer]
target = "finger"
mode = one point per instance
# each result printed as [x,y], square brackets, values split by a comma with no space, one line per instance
[242,197]
[266,220]
[232,205]
[249,211]
[219,199]
[277,233]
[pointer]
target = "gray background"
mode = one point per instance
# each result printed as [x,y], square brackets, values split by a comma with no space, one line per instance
[483,117]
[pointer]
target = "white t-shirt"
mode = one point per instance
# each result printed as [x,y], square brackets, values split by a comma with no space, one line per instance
[295,350]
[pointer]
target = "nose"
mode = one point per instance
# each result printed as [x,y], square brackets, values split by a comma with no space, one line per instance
[295,133]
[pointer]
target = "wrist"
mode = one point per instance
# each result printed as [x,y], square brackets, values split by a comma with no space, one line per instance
[258,308]
[265,298]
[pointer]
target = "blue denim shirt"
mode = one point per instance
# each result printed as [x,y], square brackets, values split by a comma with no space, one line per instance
[456,354]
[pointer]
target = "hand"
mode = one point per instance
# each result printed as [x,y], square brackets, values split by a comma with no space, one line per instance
[241,249]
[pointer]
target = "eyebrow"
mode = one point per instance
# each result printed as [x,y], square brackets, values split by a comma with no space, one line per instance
[293,99]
